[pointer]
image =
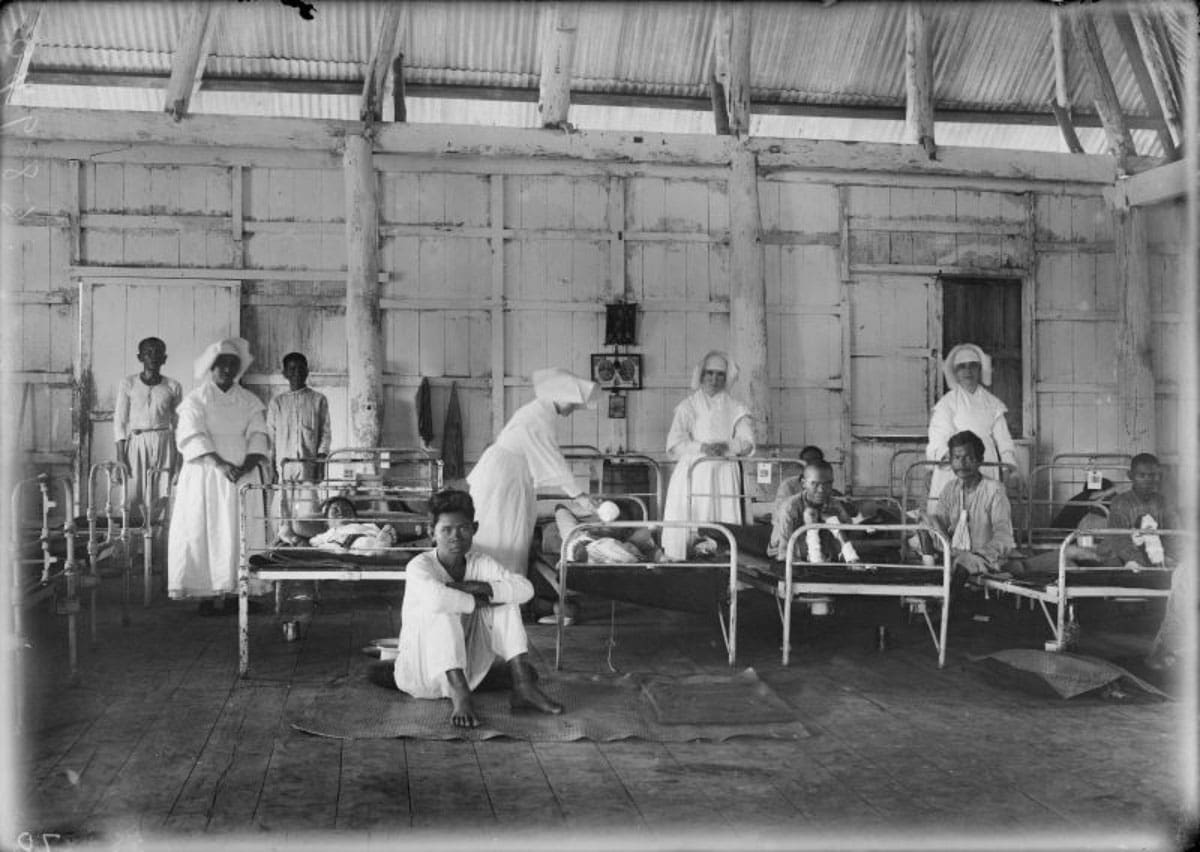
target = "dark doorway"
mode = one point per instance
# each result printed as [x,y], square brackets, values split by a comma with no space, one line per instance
[987,312]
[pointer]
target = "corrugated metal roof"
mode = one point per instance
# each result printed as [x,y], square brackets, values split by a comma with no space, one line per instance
[987,57]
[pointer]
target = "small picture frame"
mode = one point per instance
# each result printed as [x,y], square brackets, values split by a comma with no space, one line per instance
[617,372]
[616,406]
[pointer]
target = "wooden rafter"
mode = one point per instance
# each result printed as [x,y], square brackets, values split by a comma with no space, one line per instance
[1159,71]
[1060,105]
[1141,75]
[731,65]
[1120,142]
[387,42]
[918,80]
[558,55]
[14,64]
[187,64]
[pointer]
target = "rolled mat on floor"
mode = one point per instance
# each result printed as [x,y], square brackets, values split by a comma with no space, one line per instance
[602,708]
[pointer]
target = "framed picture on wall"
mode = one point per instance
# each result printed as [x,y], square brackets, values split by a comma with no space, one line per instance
[617,372]
[616,406]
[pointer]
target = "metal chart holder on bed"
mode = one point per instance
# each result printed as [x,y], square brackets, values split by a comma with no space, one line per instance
[728,626]
[322,565]
[1046,537]
[1070,585]
[858,581]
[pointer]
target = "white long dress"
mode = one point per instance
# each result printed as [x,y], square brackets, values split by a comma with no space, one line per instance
[443,629]
[204,541]
[980,412]
[701,419]
[504,484]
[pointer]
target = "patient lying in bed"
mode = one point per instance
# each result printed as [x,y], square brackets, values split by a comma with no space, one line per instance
[346,534]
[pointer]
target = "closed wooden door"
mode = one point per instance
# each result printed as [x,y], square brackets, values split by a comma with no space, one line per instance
[987,312]
[114,315]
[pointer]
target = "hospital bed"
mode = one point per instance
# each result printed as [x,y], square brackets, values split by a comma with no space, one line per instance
[1058,591]
[1052,488]
[608,475]
[880,574]
[275,563]
[698,584]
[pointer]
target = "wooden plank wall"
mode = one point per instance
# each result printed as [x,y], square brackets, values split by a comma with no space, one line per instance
[851,270]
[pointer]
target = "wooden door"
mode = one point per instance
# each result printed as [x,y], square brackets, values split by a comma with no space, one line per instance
[987,312]
[114,315]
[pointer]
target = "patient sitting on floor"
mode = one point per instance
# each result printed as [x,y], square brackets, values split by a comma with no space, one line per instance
[346,534]
[461,612]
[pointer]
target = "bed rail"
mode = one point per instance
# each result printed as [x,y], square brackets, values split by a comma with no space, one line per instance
[728,624]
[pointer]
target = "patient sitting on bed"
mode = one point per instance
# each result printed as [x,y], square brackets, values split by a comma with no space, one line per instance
[814,504]
[462,611]
[974,513]
[347,534]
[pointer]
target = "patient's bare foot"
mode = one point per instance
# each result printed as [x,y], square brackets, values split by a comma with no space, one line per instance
[462,710]
[527,697]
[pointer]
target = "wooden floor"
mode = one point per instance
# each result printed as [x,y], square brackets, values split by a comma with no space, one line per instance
[159,741]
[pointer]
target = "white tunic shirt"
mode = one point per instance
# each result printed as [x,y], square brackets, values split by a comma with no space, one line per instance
[442,628]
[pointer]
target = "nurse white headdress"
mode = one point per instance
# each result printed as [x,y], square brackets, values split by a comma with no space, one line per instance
[965,353]
[555,384]
[237,346]
[731,368]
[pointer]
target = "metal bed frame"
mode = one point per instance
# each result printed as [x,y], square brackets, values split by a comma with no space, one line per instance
[1061,594]
[728,625]
[914,595]
[1046,537]
[599,460]
[56,572]
[347,573]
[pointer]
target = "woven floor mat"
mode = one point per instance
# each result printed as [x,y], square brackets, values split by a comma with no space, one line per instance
[601,708]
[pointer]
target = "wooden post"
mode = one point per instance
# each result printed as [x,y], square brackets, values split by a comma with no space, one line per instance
[747,289]
[399,110]
[14,63]
[918,81]
[1120,142]
[364,321]
[1061,105]
[731,60]
[1135,377]
[1141,75]
[1159,71]
[375,75]
[187,65]
[558,54]
[716,94]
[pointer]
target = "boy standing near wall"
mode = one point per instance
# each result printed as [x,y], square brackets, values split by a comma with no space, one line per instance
[144,423]
[298,423]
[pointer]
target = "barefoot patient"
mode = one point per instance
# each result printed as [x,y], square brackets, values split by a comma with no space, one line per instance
[462,611]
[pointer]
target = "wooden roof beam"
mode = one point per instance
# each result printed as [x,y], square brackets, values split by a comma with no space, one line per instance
[918,80]
[1141,75]
[731,65]
[187,65]
[1061,103]
[14,61]
[1159,71]
[558,55]
[375,75]
[1120,142]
